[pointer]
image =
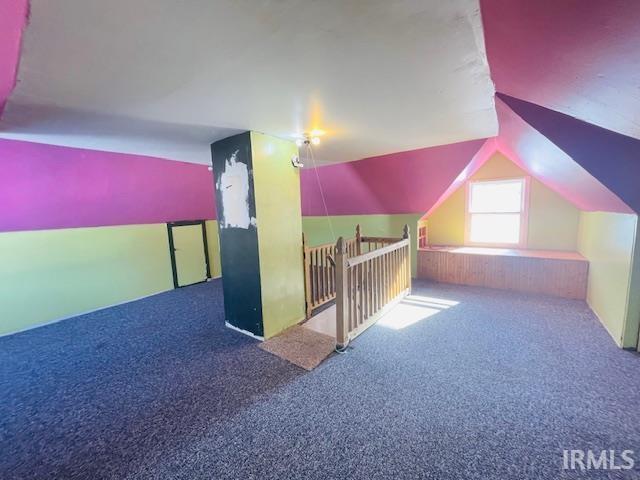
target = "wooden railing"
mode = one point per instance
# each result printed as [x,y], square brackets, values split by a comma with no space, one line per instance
[320,271]
[367,285]
[368,244]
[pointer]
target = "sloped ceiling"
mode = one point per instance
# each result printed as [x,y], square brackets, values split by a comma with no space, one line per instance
[407,182]
[166,78]
[599,168]
[571,71]
[577,57]
[13,17]
[554,167]
[543,159]
[136,83]
[488,148]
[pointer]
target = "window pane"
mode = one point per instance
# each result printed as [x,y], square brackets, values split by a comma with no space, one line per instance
[487,197]
[495,228]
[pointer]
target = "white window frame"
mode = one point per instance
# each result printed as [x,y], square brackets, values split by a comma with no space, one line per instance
[524,213]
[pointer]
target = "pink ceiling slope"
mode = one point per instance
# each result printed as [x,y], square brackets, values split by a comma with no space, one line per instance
[542,159]
[47,187]
[536,154]
[578,57]
[405,182]
[13,18]
[489,147]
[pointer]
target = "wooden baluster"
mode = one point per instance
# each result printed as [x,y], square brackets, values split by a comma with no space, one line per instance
[328,274]
[369,289]
[380,284]
[378,272]
[396,265]
[332,275]
[319,270]
[363,291]
[354,299]
[373,286]
[400,275]
[307,278]
[316,268]
[325,265]
[320,289]
[349,312]
[403,273]
[361,316]
[342,333]
[406,235]
[392,271]
[385,283]
[372,283]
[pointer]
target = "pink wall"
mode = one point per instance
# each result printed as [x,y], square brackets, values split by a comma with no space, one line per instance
[406,182]
[45,187]
[13,18]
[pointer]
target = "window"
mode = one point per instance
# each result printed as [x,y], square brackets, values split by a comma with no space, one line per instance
[496,212]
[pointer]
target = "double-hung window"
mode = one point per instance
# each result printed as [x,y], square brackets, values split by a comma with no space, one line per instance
[497,213]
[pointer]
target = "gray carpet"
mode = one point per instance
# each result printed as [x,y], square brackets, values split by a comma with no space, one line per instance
[492,388]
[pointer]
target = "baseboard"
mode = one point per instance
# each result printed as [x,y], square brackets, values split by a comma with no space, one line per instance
[86,312]
[618,342]
[79,314]
[245,332]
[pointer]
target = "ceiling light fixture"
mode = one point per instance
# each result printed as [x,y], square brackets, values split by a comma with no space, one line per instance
[308,139]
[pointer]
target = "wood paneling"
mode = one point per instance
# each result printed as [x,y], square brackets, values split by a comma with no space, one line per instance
[552,273]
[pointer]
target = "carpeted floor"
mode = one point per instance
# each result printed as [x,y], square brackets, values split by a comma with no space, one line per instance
[490,385]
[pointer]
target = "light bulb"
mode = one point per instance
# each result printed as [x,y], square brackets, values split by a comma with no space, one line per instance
[299,142]
[315,140]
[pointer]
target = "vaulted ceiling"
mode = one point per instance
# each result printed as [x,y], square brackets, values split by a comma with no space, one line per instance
[166,78]
[161,78]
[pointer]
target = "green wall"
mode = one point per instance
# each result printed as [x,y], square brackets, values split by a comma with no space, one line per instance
[609,241]
[553,221]
[278,215]
[53,274]
[213,242]
[317,230]
[631,332]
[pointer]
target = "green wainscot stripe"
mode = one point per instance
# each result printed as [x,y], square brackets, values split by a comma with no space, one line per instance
[213,242]
[52,274]
[608,240]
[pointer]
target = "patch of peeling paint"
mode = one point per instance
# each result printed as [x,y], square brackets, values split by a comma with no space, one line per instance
[234,189]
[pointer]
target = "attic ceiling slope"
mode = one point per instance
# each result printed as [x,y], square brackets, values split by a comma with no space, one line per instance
[488,148]
[578,57]
[406,182]
[377,76]
[613,159]
[13,17]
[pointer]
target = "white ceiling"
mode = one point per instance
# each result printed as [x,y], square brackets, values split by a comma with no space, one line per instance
[166,78]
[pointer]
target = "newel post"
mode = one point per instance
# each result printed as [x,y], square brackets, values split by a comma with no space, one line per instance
[342,334]
[406,236]
[358,237]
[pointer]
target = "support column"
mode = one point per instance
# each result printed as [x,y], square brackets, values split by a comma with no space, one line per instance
[260,229]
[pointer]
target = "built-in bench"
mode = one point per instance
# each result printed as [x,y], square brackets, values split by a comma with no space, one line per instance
[563,274]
